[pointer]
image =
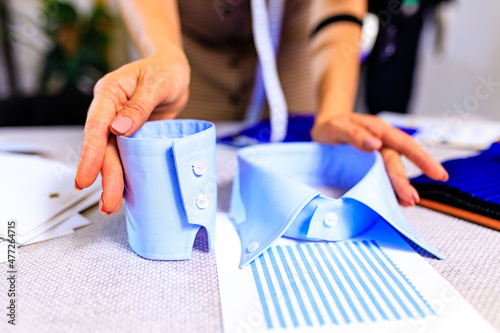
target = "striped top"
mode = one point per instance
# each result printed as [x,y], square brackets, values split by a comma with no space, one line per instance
[218,42]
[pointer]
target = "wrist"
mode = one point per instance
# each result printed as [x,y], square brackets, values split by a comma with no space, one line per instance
[165,49]
[333,104]
[158,46]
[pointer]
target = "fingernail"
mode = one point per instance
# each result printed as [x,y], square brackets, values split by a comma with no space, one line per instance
[372,143]
[101,203]
[122,125]
[415,197]
[78,188]
[445,176]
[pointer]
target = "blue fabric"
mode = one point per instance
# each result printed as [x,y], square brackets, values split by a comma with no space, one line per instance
[465,176]
[298,130]
[162,187]
[474,184]
[272,197]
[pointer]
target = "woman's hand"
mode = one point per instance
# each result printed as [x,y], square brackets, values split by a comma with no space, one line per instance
[149,89]
[369,133]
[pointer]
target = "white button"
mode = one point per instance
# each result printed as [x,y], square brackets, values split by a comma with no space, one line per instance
[253,247]
[202,201]
[199,168]
[331,219]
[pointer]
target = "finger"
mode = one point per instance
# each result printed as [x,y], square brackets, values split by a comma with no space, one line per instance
[117,208]
[343,130]
[139,107]
[95,135]
[404,144]
[112,178]
[169,110]
[407,195]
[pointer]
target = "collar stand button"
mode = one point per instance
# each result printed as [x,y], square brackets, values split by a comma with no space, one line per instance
[331,219]
[254,246]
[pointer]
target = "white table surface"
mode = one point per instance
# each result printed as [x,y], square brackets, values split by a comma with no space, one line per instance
[92,281]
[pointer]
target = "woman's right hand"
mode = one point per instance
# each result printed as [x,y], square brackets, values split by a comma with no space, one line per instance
[153,88]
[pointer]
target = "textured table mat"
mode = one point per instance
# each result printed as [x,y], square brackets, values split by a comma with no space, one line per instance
[91,281]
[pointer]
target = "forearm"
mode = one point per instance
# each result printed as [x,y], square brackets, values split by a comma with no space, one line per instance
[335,57]
[153,25]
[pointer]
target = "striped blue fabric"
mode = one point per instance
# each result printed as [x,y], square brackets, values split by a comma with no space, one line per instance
[326,283]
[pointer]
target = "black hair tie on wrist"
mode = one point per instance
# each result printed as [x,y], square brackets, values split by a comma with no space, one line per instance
[336,18]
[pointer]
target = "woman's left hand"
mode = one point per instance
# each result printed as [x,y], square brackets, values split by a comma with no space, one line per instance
[370,133]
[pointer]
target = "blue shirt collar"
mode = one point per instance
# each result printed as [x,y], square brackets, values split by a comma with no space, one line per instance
[272,197]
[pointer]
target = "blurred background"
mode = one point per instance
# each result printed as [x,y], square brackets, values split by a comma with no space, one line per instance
[52,52]
[458,50]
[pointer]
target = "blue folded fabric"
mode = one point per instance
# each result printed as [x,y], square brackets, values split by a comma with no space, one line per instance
[272,197]
[299,128]
[474,184]
[170,186]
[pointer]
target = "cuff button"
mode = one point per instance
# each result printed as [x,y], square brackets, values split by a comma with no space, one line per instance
[199,168]
[202,201]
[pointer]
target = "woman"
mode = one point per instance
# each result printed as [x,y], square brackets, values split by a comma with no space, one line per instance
[218,43]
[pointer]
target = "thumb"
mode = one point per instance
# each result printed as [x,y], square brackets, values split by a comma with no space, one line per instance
[135,112]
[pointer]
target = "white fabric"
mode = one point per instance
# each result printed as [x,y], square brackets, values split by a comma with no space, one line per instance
[266,26]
